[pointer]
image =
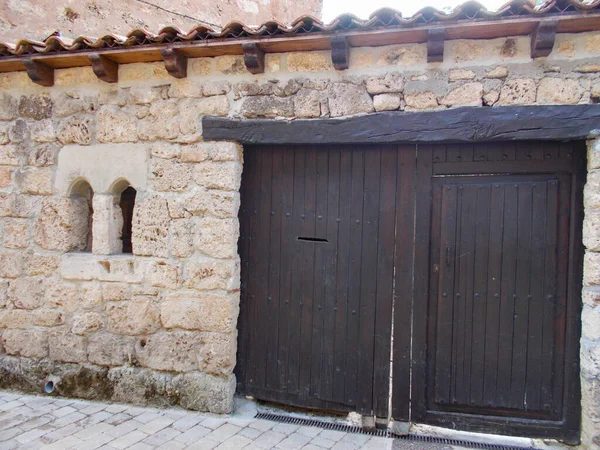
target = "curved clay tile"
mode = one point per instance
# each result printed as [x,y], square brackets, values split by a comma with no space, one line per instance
[345,22]
[385,17]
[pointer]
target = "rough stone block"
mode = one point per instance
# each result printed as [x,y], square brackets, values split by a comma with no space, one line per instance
[591,269]
[225,176]
[8,107]
[469,94]
[248,89]
[27,343]
[48,318]
[19,131]
[213,106]
[68,348]
[46,265]
[201,311]
[150,234]
[203,392]
[42,131]
[69,103]
[347,99]
[63,295]
[35,181]
[188,116]
[86,323]
[194,153]
[77,130]
[385,84]
[43,155]
[559,91]
[231,65]
[63,224]
[591,191]
[11,155]
[307,103]
[6,174]
[107,225]
[267,106]
[216,354]
[590,323]
[216,88]
[403,55]
[424,100]
[114,292]
[27,292]
[15,318]
[163,274]
[165,150]
[115,125]
[174,351]
[460,74]
[309,61]
[212,274]
[16,233]
[36,107]
[170,175]
[387,102]
[520,91]
[133,318]
[11,264]
[107,349]
[217,238]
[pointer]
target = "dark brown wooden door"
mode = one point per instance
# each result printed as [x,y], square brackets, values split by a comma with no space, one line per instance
[504,272]
[318,233]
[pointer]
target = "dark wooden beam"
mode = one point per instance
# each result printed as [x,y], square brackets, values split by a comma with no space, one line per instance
[435,45]
[39,72]
[175,62]
[468,124]
[340,52]
[254,58]
[542,37]
[106,69]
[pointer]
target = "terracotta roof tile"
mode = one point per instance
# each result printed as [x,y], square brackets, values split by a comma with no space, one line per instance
[382,18]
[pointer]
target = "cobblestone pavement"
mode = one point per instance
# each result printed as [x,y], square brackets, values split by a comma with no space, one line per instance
[34,422]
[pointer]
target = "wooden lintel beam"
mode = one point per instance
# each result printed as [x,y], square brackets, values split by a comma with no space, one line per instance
[435,45]
[254,58]
[542,37]
[106,69]
[39,72]
[340,52]
[175,62]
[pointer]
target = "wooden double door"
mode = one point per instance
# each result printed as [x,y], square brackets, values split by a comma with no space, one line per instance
[440,280]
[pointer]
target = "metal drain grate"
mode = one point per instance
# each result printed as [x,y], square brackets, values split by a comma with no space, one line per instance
[384,433]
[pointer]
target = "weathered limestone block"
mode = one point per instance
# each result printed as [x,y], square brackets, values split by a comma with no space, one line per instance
[115,125]
[469,94]
[593,155]
[591,191]
[5,177]
[154,129]
[520,91]
[182,243]
[491,97]
[36,264]
[69,103]
[16,233]
[188,116]
[8,107]
[36,107]
[36,181]
[213,88]
[267,106]
[27,292]
[409,54]
[213,106]
[48,318]
[63,224]
[107,225]
[217,238]
[4,139]
[174,351]
[201,311]
[119,268]
[307,103]
[19,131]
[460,74]
[15,319]
[25,206]
[163,274]
[68,348]
[309,61]
[194,153]
[170,175]
[223,150]
[590,357]
[185,88]
[107,349]
[592,43]
[287,88]
[591,269]
[212,274]
[497,72]
[247,89]
[147,95]
[465,50]
[77,130]
[588,68]
[28,343]
[86,323]
[165,150]
[43,155]
[591,230]
[566,48]
[387,102]
[346,99]
[590,323]
[133,318]
[225,176]
[559,91]
[11,264]
[216,355]
[203,392]
[114,97]
[591,296]
[11,155]
[231,65]
[150,234]
[42,131]
[114,292]
[385,84]
[424,100]
[63,295]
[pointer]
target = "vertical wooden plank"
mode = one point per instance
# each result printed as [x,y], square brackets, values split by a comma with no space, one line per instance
[354,286]
[494,277]
[368,274]
[385,278]
[521,320]
[491,152]
[404,253]
[453,153]
[439,153]
[421,280]
[320,249]
[331,322]
[480,295]
[448,258]
[466,153]
[295,332]
[458,310]
[308,271]
[274,263]
[342,276]
[286,318]
[507,301]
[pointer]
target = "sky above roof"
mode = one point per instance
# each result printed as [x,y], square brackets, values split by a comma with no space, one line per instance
[362,8]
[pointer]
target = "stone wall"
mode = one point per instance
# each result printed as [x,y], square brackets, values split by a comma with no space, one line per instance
[159,326]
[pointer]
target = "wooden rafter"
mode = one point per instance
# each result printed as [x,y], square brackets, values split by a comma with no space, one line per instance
[340,52]
[175,62]
[39,72]
[435,45]
[254,58]
[542,38]
[105,68]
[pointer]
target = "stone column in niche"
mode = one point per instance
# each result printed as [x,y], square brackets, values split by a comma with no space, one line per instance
[108,225]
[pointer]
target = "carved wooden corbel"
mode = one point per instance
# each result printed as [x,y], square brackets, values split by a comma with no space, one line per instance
[175,62]
[106,69]
[340,52]
[435,45]
[254,58]
[39,72]
[542,37]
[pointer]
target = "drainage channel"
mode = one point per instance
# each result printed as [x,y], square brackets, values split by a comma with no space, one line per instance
[384,433]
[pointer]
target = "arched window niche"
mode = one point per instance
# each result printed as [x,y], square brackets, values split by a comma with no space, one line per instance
[125,194]
[80,190]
